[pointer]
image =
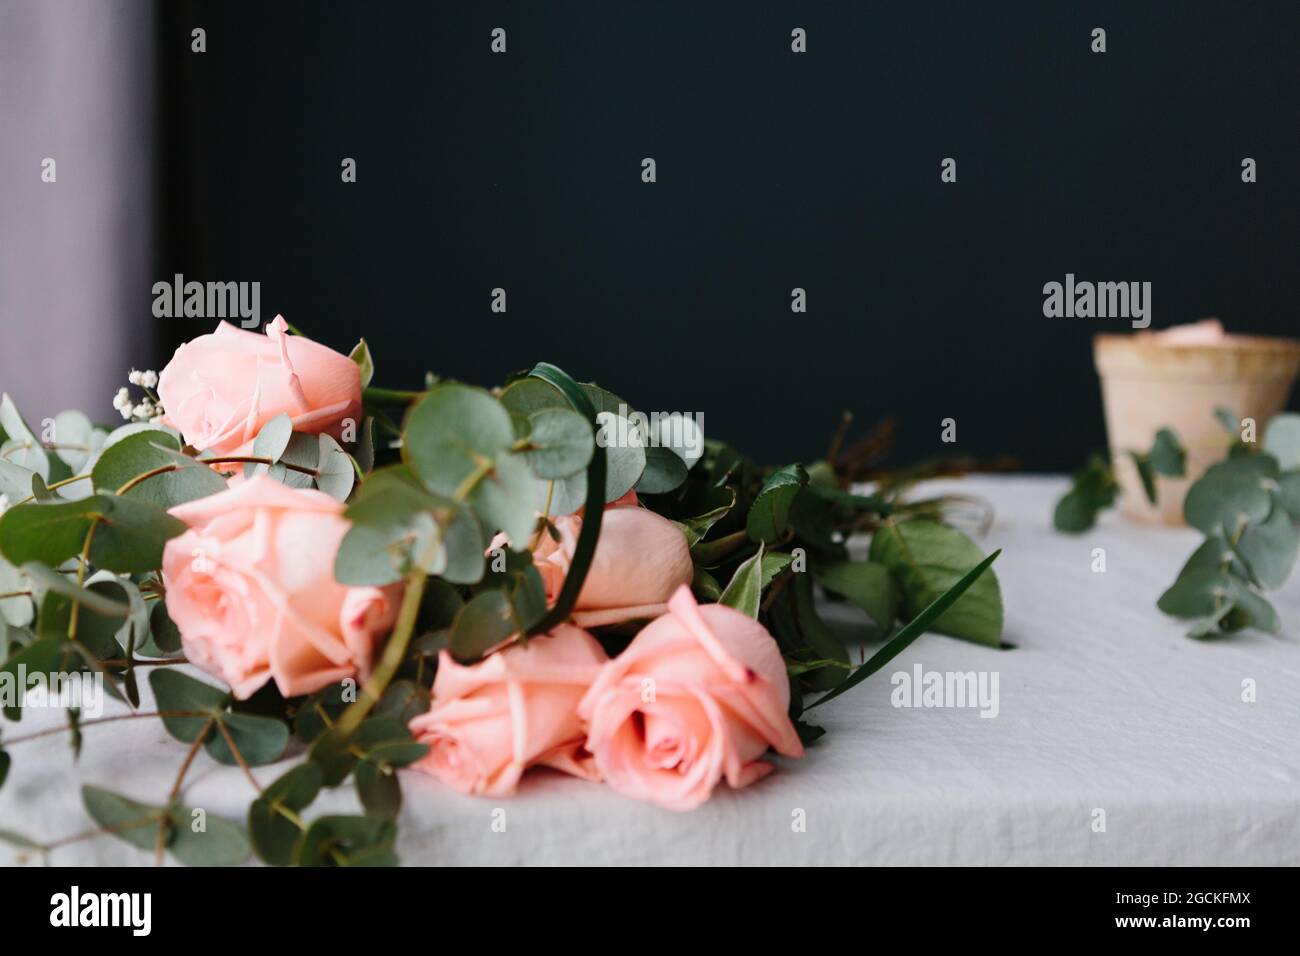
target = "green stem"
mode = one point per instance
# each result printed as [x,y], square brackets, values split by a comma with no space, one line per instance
[396,396]
[593,511]
[105,720]
[400,639]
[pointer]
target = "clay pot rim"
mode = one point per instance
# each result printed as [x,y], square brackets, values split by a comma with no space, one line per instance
[1232,343]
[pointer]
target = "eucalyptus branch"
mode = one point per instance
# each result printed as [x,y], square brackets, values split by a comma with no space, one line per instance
[239,757]
[161,843]
[104,720]
[400,638]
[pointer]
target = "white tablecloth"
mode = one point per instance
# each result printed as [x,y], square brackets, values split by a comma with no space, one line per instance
[1104,705]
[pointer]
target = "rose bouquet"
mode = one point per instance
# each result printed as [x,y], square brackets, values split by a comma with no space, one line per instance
[465,582]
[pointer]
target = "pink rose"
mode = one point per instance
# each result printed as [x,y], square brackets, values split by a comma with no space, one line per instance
[516,708]
[220,389]
[641,558]
[251,588]
[699,695]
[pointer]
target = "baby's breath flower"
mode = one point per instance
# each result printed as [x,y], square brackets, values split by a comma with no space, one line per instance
[122,398]
[149,378]
[134,377]
[127,410]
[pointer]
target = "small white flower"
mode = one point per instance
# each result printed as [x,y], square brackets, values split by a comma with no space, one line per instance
[149,379]
[144,410]
[134,377]
[122,398]
[127,410]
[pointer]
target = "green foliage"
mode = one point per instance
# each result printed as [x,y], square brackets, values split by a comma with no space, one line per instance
[80,557]
[1245,507]
[259,740]
[769,515]
[147,451]
[928,559]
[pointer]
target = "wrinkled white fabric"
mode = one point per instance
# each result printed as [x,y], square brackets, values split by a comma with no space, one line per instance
[1103,705]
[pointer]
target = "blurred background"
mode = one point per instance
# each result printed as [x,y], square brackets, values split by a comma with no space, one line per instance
[775,170]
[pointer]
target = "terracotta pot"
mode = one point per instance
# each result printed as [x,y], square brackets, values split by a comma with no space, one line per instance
[1177,379]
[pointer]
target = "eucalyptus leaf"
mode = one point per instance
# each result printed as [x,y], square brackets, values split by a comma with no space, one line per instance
[335,472]
[1229,495]
[175,691]
[1282,440]
[259,740]
[303,452]
[273,439]
[1147,475]
[378,790]
[664,471]
[75,439]
[148,450]
[22,448]
[16,611]
[1269,548]
[131,534]
[1228,419]
[1167,456]
[560,443]
[1197,593]
[482,624]
[1287,493]
[458,441]
[348,841]
[136,823]
[272,832]
[203,839]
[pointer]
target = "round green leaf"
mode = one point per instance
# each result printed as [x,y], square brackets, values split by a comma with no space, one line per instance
[202,839]
[560,443]
[1229,494]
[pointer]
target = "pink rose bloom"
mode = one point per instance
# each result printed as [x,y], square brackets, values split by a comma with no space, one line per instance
[514,709]
[251,588]
[641,558]
[220,389]
[699,695]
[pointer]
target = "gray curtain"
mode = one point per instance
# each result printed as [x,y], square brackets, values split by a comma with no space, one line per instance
[76,86]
